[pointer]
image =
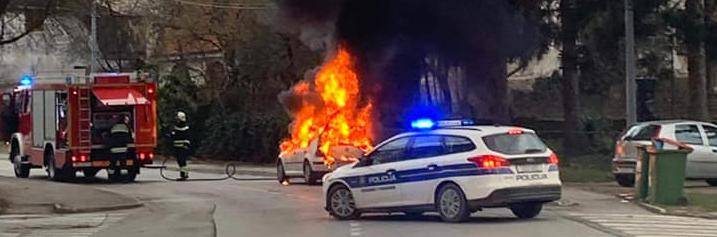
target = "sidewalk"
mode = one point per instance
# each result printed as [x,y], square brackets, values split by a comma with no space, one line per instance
[577,199]
[597,206]
[691,188]
[24,196]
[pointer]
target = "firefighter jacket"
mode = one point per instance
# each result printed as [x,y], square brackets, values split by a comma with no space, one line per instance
[120,136]
[180,136]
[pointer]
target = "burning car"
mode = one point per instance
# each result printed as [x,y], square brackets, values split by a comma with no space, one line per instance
[310,164]
[331,123]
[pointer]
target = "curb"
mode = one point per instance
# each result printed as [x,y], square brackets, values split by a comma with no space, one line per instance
[662,211]
[59,208]
[239,171]
[652,208]
[135,203]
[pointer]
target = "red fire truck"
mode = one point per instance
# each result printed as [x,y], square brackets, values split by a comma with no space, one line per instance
[60,121]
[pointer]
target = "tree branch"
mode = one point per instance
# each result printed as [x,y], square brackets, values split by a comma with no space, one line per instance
[35,26]
[516,70]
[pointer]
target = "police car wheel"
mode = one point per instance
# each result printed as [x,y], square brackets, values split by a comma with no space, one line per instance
[526,210]
[451,204]
[280,173]
[341,203]
[309,175]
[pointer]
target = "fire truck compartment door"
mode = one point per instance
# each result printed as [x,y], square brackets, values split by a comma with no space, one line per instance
[119,96]
[44,116]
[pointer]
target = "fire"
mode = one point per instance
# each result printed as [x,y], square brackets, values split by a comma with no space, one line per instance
[339,120]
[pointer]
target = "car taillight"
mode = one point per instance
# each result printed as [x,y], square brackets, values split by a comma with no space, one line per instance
[619,151]
[74,158]
[142,156]
[553,158]
[83,158]
[489,161]
[151,156]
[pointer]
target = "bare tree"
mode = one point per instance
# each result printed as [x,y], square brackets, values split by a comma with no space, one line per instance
[34,15]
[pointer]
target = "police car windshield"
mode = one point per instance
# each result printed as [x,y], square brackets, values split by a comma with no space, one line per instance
[515,144]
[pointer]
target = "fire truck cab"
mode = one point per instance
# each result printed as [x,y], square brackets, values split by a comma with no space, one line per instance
[60,121]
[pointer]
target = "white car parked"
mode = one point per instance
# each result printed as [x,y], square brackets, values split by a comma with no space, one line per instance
[701,136]
[308,162]
[455,171]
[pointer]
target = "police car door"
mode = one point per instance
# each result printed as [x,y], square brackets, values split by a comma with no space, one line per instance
[378,185]
[419,175]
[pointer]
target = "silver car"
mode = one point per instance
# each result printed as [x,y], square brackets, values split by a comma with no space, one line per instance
[701,136]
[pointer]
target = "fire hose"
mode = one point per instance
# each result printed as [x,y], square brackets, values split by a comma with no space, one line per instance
[230,170]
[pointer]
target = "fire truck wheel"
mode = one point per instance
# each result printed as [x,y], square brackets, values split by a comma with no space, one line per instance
[114,177]
[21,170]
[90,172]
[56,173]
[130,176]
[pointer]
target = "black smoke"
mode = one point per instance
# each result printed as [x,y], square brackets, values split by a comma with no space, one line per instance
[392,38]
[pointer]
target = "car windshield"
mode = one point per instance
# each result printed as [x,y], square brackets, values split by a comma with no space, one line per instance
[515,144]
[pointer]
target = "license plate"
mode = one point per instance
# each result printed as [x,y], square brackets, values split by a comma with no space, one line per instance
[529,168]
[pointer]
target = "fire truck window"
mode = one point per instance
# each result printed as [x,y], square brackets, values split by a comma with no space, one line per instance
[26,103]
[5,100]
[18,103]
[62,105]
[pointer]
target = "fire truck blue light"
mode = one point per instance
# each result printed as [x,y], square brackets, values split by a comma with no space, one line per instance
[422,124]
[26,80]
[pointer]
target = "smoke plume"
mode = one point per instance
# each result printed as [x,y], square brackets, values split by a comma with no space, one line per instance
[391,40]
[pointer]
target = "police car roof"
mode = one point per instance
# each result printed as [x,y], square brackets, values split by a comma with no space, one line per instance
[480,130]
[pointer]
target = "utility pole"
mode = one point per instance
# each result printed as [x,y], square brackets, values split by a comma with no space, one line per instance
[630,70]
[93,37]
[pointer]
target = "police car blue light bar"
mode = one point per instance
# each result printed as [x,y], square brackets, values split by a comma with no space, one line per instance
[422,124]
[429,124]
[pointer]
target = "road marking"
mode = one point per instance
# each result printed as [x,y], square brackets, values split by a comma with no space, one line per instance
[355,229]
[75,225]
[651,225]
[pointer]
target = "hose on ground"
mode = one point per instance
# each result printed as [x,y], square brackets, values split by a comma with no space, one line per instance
[230,170]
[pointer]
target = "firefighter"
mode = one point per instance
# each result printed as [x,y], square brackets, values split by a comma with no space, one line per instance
[181,144]
[120,136]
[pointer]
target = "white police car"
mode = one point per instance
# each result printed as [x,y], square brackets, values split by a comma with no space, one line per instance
[455,169]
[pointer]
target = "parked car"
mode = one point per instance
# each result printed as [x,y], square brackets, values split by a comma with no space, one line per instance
[308,163]
[701,136]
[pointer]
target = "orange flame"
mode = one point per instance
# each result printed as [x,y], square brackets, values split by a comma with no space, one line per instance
[341,120]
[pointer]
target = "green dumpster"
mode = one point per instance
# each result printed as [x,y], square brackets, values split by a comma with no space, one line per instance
[641,172]
[667,176]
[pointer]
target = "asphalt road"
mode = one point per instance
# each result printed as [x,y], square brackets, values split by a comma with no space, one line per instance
[266,208]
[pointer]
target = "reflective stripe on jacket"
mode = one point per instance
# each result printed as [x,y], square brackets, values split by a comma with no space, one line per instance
[120,136]
[180,137]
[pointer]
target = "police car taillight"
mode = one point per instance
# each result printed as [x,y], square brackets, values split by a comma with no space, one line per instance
[515,132]
[489,161]
[553,158]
